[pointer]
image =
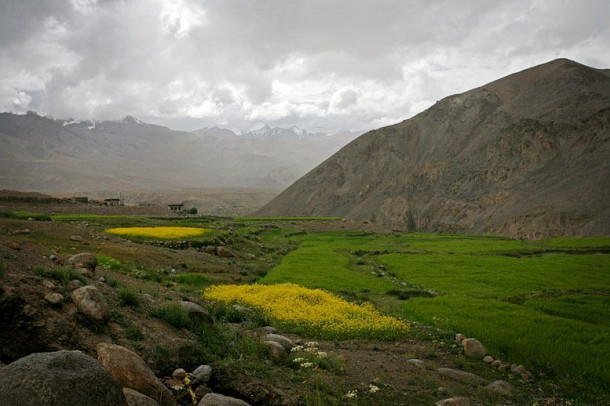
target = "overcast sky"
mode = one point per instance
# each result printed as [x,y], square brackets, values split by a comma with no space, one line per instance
[349,64]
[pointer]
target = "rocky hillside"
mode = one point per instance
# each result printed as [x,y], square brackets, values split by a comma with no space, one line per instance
[40,153]
[526,156]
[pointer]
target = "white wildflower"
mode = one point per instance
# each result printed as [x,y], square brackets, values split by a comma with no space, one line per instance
[321,354]
[373,388]
[307,365]
[353,394]
[297,348]
[311,344]
[298,360]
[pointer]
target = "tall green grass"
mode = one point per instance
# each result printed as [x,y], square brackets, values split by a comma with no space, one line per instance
[542,303]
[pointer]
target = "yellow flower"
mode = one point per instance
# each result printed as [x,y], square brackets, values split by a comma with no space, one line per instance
[159,232]
[311,311]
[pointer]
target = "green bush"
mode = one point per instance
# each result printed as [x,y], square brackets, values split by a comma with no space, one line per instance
[173,314]
[64,275]
[128,298]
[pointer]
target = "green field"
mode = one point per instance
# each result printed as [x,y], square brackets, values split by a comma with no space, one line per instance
[543,304]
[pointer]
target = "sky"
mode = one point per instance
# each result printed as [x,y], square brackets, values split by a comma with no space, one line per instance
[316,64]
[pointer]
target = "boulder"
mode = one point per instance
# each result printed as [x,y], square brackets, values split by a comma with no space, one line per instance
[462,376]
[90,302]
[135,398]
[196,313]
[58,378]
[132,372]
[502,388]
[517,369]
[216,399]
[179,373]
[84,260]
[276,350]
[283,341]
[473,348]
[203,373]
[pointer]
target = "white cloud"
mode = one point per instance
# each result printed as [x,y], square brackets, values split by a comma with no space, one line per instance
[340,64]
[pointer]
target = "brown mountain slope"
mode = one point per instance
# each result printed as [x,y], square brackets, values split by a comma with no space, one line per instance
[527,155]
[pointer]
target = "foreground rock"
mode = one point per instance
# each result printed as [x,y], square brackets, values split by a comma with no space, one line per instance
[83,260]
[90,302]
[473,348]
[216,399]
[462,376]
[196,313]
[135,398]
[58,378]
[132,372]
[203,373]
[281,340]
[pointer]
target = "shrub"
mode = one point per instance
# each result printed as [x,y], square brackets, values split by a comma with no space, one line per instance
[128,298]
[64,275]
[174,314]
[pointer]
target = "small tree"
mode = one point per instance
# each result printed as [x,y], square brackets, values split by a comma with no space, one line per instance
[193,210]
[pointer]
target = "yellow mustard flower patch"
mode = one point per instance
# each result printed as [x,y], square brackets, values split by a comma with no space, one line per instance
[310,311]
[159,232]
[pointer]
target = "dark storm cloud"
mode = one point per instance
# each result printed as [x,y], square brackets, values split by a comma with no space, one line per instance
[334,64]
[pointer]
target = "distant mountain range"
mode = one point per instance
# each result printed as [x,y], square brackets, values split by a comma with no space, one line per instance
[527,155]
[49,155]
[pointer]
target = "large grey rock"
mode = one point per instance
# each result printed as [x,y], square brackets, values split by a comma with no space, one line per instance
[62,378]
[462,376]
[90,302]
[132,372]
[83,260]
[216,399]
[502,388]
[135,398]
[196,313]
[473,348]
[203,373]
[283,341]
[276,350]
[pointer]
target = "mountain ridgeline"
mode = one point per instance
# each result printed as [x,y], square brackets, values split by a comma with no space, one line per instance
[47,155]
[526,156]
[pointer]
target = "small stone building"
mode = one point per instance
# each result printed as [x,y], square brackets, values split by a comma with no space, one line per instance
[176,207]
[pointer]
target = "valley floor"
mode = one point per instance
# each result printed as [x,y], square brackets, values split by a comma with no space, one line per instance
[542,304]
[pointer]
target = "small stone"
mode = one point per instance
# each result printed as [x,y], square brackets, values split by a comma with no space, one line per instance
[488,359]
[223,252]
[84,260]
[496,363]
[216,399]
[76,238]
[502,388]
[84,272]
[456,401]
[459,337]
[203,373]
[462,376]
[269,329]
[473,348]
[416,362]
[13,245]
[54,298]
[502,368]
[48,284]
[517,369]
[241,309]
[179,373]
[53,257]
[74,284]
